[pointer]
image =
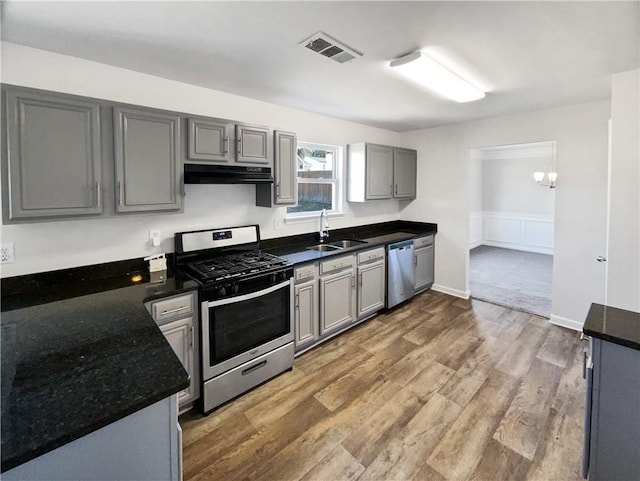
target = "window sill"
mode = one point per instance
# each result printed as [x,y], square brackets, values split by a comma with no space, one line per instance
[300,219]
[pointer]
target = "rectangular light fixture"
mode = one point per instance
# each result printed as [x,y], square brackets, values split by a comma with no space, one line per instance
[429,73]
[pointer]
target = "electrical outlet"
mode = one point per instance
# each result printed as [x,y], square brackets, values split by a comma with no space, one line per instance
[6,253]
[154,237]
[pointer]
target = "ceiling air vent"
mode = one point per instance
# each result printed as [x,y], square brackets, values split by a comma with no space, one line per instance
[330,48]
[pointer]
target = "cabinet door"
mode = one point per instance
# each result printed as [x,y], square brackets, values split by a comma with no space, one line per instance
[252,145]
[209,140]
[286,170]
[147,145]
[306,313]
[423,260]
[371,288]
[337,300]
[54,162]
[379,169]
[180,336]
[405,164]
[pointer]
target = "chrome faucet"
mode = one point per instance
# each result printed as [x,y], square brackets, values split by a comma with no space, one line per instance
[324,227]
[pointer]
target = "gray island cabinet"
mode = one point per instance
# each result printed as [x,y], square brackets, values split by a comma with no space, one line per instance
[612,407]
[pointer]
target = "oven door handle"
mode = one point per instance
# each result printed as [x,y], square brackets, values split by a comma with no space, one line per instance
[253,295]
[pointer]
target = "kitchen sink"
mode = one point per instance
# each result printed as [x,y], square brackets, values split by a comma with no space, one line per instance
[343,244]
[324,247]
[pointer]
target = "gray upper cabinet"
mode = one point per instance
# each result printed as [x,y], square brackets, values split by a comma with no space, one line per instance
[209,140]
[53,155]
[405,165]
[380,172]
[285,166]
[148,168]
[253,145]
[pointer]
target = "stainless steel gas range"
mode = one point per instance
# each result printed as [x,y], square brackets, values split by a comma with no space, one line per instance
[246,310]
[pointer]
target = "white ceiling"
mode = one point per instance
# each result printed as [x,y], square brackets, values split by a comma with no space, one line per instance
[527,55]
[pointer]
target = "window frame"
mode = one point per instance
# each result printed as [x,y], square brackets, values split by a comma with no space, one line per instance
[336,181]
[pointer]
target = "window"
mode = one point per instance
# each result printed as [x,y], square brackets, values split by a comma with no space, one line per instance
[318,180]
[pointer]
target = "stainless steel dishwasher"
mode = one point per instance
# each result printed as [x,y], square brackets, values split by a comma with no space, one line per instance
[400,272]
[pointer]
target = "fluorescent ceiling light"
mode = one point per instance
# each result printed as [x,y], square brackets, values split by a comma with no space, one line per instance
[429,73]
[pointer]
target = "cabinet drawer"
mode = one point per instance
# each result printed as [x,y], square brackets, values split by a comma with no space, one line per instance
[172,308]
[336,264]
[305,273]
[423,242]
[371,255]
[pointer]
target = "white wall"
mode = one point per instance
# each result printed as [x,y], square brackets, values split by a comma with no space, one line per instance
[444,181]
[508,187]
[60,244]
[623,258]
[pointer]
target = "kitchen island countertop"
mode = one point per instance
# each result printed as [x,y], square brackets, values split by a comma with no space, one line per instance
[614,325]
[80,354]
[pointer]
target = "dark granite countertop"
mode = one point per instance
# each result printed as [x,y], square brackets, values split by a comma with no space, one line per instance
[294,248]
[80,352]
[614,325]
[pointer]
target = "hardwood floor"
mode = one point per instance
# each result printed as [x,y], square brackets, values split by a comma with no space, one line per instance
[438,389]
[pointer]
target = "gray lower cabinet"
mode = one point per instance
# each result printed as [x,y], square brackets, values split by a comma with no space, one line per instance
[337,294]
[306,306]
[253,144]
[612,421]
[53,155]
[209,140]
[423,262]
[180,335]
[175,317]
[380,172]
[147,157]
[405,167]
[286,168]
[371,282]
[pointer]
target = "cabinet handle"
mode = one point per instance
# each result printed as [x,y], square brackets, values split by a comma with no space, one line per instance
[119,193]
[193,341]
[391,187]
[353,282]
[297,301]
[98,194]
[278,189]
[164,313]
[239,145]
[361,279]
[395,190]
[226,146]
[415,260]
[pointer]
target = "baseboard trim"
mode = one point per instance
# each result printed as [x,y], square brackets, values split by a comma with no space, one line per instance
[518,247]
[564,322]
[450,291]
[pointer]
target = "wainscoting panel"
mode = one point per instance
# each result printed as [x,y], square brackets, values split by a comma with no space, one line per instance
[476,220]
[512,231]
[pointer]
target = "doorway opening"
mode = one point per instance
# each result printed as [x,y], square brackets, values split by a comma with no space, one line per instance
[511,226]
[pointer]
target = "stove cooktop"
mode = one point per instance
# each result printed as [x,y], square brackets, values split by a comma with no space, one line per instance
[235,266]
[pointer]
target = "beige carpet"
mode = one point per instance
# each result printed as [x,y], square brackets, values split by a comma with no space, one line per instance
[516,279]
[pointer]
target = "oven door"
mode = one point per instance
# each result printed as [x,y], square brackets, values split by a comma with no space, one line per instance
[238,329]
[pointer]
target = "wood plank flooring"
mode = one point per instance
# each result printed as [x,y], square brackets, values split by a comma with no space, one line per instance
[439,389]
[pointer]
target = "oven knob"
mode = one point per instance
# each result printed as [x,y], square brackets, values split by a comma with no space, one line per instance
[235,288]
[272,278]
[283,276]
[222,291]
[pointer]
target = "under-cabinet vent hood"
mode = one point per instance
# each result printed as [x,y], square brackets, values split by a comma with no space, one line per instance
[329,47]
[226,174]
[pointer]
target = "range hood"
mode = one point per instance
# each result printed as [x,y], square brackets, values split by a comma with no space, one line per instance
[226,174]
